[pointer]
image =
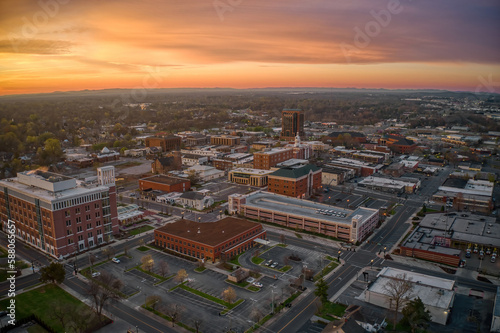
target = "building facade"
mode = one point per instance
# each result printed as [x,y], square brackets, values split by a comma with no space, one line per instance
[59,215]
[299,182]
[269,158]
[252,177]
[164,183]
[162,165]
[350,225]
[209,241]
[167,143]
[292,124]
[225,140]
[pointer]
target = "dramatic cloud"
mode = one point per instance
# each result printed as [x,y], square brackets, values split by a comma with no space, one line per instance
[319,42]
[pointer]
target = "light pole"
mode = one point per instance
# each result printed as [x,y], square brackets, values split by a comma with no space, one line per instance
[371,264]
[220,214]
[338,256]
[199,218]
[385,248]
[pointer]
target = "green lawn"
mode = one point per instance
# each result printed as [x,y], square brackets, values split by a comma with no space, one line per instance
[200,269]
[282,245]
[253,288]
[333,309]
[140,230]
[235,261]
[210,297]
[241,284]
[38,301]
[143,248]
[286,268]
[257,260]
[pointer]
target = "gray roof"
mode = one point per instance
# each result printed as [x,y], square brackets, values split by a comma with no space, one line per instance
[295,172]
[192,195]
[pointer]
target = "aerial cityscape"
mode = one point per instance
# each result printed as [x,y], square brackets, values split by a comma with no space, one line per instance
[249,166]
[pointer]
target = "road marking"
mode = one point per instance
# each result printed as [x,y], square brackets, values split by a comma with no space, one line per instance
[308,305]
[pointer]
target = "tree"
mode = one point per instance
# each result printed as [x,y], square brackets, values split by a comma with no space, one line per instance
[174,311]
[193,177]
[152,301]
[54,273]
[197,324]
[109,251]
[229,295]
[399,290]
[105,291]
[163,268]
[181,276]
[51,152]
[322,291]
[60,313]
[147,262]
[282,239]
[416,315]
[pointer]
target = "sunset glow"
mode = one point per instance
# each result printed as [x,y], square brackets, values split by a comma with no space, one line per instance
[61,45]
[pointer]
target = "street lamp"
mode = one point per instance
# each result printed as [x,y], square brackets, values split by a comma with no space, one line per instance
[371,264]
[199,218]
[220,214]
[385,248]
[338,256]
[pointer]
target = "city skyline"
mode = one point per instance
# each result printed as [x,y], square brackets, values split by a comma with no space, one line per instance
[61,45]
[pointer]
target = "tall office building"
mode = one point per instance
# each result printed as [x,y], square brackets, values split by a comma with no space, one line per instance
[292,123]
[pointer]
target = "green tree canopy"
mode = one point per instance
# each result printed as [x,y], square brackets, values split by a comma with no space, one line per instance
[54,273]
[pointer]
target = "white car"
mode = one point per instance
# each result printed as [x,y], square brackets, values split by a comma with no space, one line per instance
[115,260]
[274,265]
[258,284]
[96,274]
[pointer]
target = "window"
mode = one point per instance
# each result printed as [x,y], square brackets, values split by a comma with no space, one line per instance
[89,225]
[99,232]
[97,214]
[68,223]
[67,213]
[96,205]
[79,229]
[70,241]
[97,223]
[89,234]
[80,238]
[70,232]
[87,208]
[88,217]
[78,220]
[77,211]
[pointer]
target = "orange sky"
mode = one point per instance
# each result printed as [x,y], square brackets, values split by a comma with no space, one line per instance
[60,45]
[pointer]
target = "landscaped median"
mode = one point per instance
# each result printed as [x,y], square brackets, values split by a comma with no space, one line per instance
[328,268]
[229,306]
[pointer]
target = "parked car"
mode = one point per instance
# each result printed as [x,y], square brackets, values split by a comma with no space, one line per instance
[96,274]
[461,263]
[269,262]
[274,264]
[115,260]
[258,284]
[468,253]
[493,258]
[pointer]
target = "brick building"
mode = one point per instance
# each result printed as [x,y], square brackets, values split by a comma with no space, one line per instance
[209,241]
[168,163]
[59,215]
[167,143]
[269,158]
[164,183]
[299,181]
[397,143]
[225,140]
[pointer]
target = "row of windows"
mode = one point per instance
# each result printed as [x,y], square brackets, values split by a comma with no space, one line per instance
[79,200]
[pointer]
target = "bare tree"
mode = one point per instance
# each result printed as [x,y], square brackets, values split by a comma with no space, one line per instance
[399,289]
[256,314]
[163,267]
[174,311]
[229,295]
[60,313]
[282,239]
[181,276]
[197,324]
[81,320]
[103,292]
[109,252]
[153,301]
[92,259]
[286,260]
[256,253]
[147,262]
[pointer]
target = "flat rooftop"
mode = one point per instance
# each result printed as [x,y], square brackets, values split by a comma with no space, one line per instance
[251,171]
[309,209]
[211,234]
[161,179]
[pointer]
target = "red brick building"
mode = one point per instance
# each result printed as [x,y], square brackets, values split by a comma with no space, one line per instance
[397,143]
[57,215]
[298,182]
[168,163]
[164,183]
[268,159]
[209,241]
[166,143]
